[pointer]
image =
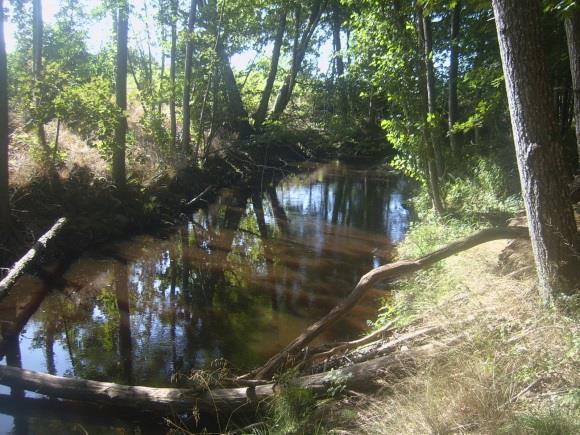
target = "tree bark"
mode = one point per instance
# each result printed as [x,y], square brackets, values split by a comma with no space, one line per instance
[37,45]
[168,401]
[432,152]
[539,153]
[453,71]
[338,58]
[37,249]
[388,272]
[172,73]
[4,134]
[572,25]
[262,111]
[299,52]
[239,115]
[187,76]
[119,169]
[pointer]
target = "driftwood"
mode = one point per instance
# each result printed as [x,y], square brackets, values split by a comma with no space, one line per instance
[168,401]
[370,350]
[21,265]
[388,272]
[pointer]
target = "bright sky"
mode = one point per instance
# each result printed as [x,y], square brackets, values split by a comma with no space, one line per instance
[100,32]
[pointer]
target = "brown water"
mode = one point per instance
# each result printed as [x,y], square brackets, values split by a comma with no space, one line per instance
[243,278]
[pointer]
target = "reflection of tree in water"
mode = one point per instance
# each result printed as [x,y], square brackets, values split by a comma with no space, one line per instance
[237,283]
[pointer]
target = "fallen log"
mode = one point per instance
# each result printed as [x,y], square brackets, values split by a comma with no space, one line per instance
[169,401]
[21,265]
[388,272]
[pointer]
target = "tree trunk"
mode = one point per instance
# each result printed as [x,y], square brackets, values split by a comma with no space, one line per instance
[172,72]
[33,253]
[119,170]
[262,111]
[239,115]
[187,76]
[539,154]
[37,42]
[338,59]
[432,152]
[573,36]
[453,69]
[300,47]
[4,134]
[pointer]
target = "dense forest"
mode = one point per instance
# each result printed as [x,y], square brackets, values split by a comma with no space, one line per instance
[205,204]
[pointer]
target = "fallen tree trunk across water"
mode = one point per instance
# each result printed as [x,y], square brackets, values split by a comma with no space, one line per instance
[25,262]
[388,272]
[170,401]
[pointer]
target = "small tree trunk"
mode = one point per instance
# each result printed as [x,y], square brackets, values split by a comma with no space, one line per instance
[433,168]
[573,36]
[262,111]
[453,69]
[119,169]
[187,76]
[338,59]
[539,154]
[4,136]
[172,72]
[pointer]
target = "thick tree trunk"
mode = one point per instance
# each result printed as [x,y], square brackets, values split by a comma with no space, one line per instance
[172,74]
[168,401]
[187,76]
[239,115]
[539,154]
[119,169]
[262,111]
[573,36]
[453,70]
[388,272]
[4,136]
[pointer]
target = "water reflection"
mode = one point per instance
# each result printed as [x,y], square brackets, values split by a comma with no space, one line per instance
[240,281]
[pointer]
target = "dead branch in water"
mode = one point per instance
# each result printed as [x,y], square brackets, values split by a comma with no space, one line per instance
[24,263]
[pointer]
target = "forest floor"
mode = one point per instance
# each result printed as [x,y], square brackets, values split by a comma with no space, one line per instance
[512,366]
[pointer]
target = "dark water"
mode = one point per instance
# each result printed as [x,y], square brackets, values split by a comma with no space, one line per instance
[240,281]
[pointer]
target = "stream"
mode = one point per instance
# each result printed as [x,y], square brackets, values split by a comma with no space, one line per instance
[242,279]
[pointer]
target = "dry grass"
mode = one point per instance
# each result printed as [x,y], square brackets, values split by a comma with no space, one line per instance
[516,371]
[144,161]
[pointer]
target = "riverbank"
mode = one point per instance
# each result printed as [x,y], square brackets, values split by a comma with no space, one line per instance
[501,362]
[98,213]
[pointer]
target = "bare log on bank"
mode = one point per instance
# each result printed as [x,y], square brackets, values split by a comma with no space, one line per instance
[169,401]
[388,272]
[25,262]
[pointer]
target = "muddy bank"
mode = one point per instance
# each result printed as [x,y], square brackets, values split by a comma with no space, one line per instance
[98,213]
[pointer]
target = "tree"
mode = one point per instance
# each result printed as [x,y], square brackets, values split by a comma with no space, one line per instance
[262,111]
[453,69]
[539,154]
[119,169]
[187,76]
[4,136]
[300,47]
[172,74]
[572,25]
[433,153]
